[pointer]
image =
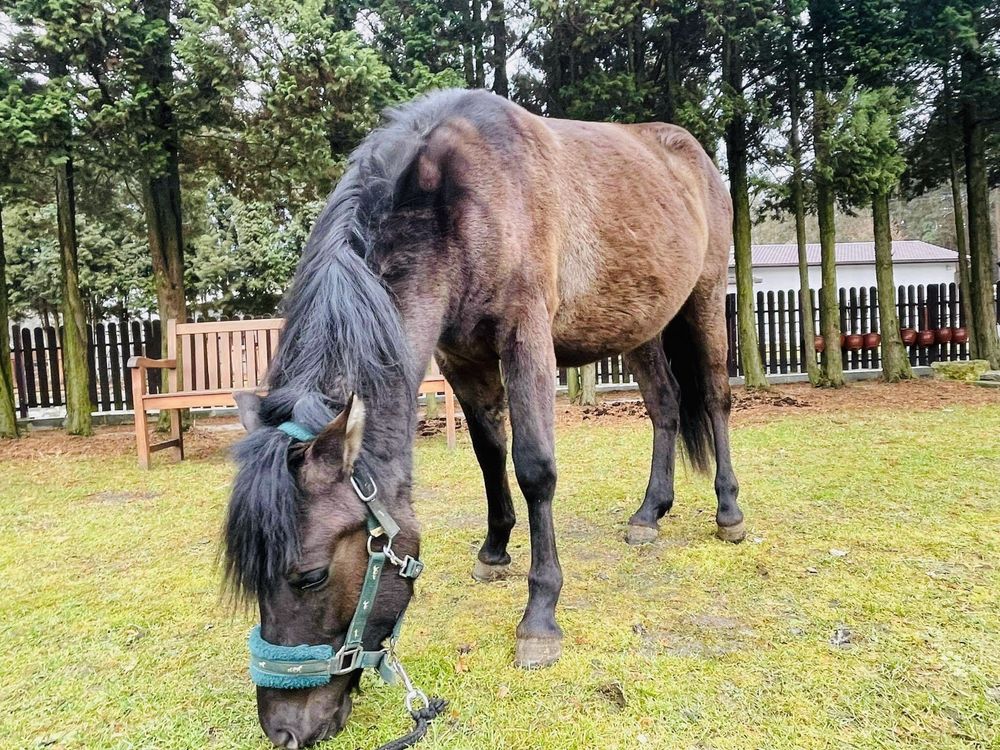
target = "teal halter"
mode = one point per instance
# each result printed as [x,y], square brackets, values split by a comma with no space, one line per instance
[296,667]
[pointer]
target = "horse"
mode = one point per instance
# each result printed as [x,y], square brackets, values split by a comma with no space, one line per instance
[503,244]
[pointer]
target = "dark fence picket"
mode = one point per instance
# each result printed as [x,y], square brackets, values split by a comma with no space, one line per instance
[29,368]
[103,367]
[92,366]
[794,330]
[55,365]
[115,368]
[19,383]
[771,344]
[732,353]
[782,333]
[924,355]
[41,363]
[845,361]
[761,330]
[933,318]
[127,351]
[874,326]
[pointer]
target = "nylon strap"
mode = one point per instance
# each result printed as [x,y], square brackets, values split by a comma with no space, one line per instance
[356,631]
[297,432]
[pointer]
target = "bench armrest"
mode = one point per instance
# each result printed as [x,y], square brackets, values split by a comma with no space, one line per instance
[147,362]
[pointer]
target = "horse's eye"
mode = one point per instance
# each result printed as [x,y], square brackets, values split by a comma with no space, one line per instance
[311,579]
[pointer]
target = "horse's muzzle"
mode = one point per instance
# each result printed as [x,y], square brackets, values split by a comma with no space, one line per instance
[294,719]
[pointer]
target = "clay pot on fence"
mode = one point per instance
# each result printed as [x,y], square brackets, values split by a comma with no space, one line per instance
[872,340]
[909,336]
[925,338]
[819,344]
[959,335]
[942,335]
[854,341]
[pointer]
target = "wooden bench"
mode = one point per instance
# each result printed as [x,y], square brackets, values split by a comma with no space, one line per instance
[207,363]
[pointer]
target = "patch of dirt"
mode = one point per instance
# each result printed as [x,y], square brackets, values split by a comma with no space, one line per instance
[212,437]
[749,407]
[436,426]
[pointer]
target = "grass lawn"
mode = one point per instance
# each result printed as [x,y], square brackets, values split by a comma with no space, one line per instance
[863,610]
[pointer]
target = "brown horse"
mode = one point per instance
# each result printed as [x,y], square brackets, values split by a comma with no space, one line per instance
[503,244]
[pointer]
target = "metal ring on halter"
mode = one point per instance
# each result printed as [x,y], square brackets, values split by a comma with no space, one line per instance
[412,692]
[416,694]
[362,495]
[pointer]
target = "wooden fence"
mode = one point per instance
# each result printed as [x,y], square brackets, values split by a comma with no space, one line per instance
[39,383]
[38,374]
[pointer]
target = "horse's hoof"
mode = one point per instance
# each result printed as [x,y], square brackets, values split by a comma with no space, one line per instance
[536,653]
[734,534]
[636,534]
[486,573]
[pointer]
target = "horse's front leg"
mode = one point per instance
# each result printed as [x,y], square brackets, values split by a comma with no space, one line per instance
[529,368]
[480,393]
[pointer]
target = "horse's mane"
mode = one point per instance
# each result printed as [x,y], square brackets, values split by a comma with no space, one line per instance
[342,334]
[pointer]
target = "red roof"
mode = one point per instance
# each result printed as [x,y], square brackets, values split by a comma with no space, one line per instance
[903,251]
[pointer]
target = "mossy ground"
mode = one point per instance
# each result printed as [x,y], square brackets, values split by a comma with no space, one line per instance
[863,610]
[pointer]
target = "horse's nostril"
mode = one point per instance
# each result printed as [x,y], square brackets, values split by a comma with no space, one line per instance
[284,738]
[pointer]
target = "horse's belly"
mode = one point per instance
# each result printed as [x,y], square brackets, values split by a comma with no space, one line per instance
[597,326]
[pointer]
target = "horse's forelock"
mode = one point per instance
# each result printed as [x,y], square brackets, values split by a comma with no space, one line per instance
[261,534]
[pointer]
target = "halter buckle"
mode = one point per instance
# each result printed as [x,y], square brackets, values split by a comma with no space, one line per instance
[365,498]
[347,659]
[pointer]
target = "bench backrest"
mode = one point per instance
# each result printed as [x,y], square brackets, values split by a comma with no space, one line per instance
[220,355]
[231,354]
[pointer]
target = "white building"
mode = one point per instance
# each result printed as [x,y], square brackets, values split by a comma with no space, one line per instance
[775,267]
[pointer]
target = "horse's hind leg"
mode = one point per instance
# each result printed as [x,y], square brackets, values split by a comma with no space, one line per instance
[704,314]
[659,392]
[480,393]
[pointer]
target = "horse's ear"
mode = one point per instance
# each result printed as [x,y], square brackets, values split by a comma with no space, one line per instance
[248,404]
[341,439]
[355,410]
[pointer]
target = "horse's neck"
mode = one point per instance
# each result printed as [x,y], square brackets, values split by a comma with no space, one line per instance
[393,415]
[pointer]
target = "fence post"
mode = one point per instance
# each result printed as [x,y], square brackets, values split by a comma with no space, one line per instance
[22,391]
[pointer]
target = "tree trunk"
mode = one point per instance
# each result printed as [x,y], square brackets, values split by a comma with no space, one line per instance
[588,385]
[498,21]
[572,384]
[468,63]
[980,252]
[829,302]
[798,208]
[8,416]
[736,155]
[964,280]
[431,406]
[477,43]
[162,184]
[74,339]
[895,363]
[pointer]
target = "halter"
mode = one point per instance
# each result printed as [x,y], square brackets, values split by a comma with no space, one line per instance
[295,667]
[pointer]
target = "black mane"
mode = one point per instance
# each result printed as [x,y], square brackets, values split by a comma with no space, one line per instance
[342,334]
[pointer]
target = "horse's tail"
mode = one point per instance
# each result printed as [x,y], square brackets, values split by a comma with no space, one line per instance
[689,364]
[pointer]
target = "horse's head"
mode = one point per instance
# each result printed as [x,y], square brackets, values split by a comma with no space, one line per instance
[302,538]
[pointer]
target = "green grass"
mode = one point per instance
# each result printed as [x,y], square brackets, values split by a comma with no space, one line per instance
[113,635]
